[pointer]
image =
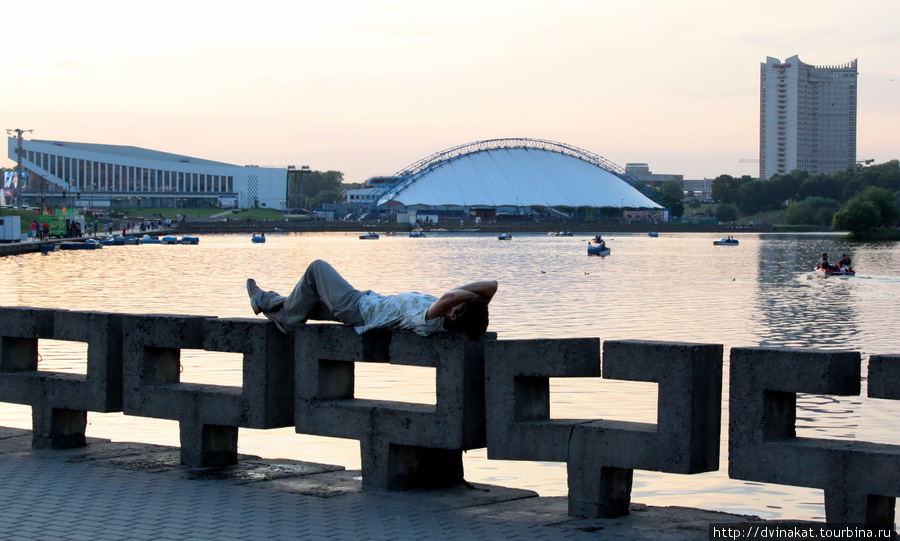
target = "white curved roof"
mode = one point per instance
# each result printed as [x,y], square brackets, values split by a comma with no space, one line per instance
[521,177]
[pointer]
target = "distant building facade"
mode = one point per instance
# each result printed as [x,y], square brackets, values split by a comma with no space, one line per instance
[700,189]
[807,117]
[641,171]
[366,194]
[115,176]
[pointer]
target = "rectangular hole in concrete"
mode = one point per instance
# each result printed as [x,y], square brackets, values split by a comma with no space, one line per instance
[62,356]
[212,367]
[607,399]
[397,383]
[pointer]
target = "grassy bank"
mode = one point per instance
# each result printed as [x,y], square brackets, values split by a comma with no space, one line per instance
[881,234]
[29,216]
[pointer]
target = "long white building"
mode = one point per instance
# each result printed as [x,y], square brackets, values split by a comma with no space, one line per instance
[807,117]
[111,176]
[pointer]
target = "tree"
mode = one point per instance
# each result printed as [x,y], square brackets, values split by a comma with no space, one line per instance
[859,217]
[672,197]
[783,188]
[676,208]
[725,188]
[726,212]
[672,188]
[796,214]
[820,186]
[316,182]
[812,210]
[884,175]
[327,196]
[884,200]
[752,197]
[852,188]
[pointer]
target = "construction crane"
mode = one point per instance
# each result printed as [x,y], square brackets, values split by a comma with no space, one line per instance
[748,160]
[19,176]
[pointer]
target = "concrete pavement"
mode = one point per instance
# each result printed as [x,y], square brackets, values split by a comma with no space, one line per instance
[129,491]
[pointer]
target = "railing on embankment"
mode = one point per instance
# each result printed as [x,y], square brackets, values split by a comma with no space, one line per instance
[490,393]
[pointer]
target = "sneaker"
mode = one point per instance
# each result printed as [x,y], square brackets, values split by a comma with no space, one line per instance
[253,290]
[275,317]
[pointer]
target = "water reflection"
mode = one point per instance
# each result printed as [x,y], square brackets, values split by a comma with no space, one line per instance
[675,287]
[795,306]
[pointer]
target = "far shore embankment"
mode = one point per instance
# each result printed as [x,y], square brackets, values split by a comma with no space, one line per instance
[251,226]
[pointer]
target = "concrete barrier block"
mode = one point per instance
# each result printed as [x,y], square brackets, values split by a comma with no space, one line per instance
[19,334]
[689,378]
[101,389]
[208,415]
[860,479]
[402,445]
[685,439]
[517,391]
[152,347]
[324,377]
[601,455]
[60,401]
[764,384]
[267,392]
[884,376]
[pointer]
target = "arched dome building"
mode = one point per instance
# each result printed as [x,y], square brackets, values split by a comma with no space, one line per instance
[512,173]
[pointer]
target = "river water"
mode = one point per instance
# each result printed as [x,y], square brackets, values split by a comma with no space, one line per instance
[677,287]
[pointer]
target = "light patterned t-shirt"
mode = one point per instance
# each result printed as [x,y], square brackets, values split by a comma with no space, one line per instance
[401,311]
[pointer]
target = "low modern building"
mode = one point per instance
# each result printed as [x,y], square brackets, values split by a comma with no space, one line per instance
[371,187]
[641,171]
[115,176]
[700,189]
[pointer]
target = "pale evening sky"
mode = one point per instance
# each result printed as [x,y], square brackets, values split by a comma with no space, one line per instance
[369,87]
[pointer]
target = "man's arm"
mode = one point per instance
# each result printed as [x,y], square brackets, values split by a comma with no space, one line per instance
[476,291]
[485,289]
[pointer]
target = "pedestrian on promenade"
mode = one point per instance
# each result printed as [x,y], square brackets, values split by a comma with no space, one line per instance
[34,228]
[323,294]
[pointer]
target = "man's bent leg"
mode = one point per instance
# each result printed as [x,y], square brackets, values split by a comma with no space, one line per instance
[267,301]
[323,294]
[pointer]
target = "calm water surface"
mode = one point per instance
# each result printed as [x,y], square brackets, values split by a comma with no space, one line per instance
[675,287]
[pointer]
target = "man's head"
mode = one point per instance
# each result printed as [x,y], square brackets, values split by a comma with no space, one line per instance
[470,317]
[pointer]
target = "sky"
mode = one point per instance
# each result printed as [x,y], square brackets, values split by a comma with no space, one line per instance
[370,87]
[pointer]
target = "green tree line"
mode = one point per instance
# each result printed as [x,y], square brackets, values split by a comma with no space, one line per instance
[316,188]
[856,201]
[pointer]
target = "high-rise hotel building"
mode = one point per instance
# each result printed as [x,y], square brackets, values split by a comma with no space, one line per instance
[807,117]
